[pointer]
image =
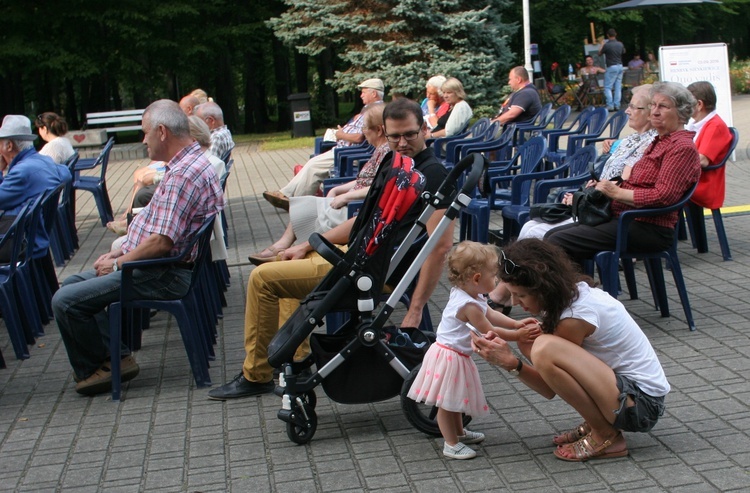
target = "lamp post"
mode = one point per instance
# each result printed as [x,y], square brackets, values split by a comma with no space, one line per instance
[527,38]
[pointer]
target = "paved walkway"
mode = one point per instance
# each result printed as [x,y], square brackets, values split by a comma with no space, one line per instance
[166,436]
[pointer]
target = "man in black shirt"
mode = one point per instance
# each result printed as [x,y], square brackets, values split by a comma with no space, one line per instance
[274,287]
[613,51]
[524,103]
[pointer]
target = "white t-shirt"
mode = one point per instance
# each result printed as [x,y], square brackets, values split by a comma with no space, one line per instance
[617,340]
[452,332]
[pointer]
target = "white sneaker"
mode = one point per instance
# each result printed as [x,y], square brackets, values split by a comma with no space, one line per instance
[458,451]
[471,437]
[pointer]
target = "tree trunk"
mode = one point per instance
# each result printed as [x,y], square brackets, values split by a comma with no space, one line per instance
[281,72]
[301,67]
[71,110]
[256,109]
[327,98]
[225,96]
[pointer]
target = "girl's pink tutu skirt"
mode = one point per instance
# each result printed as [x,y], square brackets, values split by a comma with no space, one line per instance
[449,380]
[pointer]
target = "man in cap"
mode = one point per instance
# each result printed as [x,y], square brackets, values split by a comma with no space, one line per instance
[26,175]
[309,178]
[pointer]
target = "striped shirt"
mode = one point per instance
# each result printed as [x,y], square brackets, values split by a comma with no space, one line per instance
[188,194]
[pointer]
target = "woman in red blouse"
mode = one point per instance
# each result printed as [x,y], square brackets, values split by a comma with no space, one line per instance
[668,168]
[712,138]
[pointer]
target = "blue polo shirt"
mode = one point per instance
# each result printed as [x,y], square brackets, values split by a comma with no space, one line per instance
[29,175]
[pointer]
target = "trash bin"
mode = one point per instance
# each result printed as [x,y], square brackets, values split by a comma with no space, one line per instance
[301,119]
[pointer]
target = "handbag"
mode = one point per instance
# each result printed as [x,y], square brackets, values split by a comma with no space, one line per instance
[550,213]
[590,206]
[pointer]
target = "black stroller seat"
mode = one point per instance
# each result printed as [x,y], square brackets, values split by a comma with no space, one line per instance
[365,361]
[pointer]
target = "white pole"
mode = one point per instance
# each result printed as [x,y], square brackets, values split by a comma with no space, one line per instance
[527,39]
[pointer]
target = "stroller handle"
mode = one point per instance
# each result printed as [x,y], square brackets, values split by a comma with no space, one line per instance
[478,165]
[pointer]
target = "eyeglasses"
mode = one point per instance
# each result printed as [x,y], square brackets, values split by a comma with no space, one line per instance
[508,265]
[409,136]
[634,107]
[660,106]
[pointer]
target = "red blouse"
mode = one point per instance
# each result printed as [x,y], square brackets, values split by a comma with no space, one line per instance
[668,168]
[713,142]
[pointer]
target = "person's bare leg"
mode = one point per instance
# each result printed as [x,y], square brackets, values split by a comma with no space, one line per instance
[447,424]
[581,380]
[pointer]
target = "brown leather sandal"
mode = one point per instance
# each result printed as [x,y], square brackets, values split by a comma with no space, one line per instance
[273,255]
[573,435]
[586,449]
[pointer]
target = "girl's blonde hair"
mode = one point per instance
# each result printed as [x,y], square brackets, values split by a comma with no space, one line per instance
[467,258]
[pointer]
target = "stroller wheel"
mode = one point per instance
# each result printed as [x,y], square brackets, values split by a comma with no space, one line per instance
[422,416]
[301,430]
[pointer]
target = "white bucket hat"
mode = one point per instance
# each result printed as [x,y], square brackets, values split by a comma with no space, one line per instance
[16,127]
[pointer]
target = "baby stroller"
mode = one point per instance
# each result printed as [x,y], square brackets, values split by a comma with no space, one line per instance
[363,361]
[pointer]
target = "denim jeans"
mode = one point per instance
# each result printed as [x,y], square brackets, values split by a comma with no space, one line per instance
[613,86]
[80,303]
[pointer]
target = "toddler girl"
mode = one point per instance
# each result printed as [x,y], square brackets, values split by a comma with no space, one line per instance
[448,378]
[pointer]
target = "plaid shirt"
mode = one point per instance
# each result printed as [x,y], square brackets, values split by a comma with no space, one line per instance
[188,194]
[666,171]
[221,141]
[353,126]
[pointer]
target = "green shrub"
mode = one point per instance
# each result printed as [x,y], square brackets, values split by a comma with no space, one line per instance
[739,76]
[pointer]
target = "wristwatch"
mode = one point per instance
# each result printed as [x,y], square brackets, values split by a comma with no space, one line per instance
[517,370]
[115,268]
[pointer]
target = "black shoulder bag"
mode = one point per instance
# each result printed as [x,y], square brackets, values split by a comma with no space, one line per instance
[590,206]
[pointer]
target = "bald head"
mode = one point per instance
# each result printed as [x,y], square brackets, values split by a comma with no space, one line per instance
[188,104]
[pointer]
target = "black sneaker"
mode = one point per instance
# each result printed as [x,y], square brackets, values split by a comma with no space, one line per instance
[239,387]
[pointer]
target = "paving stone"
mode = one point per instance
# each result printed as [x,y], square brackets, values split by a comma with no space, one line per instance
[166,436]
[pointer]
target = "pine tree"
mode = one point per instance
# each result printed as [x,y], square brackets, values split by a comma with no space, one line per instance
[405,42]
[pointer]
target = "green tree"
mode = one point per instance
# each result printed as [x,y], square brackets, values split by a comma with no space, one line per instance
[404,42]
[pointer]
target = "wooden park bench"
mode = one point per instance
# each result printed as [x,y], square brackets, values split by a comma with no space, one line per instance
[115,121]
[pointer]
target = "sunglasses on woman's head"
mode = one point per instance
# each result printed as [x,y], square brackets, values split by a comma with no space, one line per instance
[508,265]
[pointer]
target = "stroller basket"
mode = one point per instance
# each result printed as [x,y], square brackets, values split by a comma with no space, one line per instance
[357,364]
[367,377]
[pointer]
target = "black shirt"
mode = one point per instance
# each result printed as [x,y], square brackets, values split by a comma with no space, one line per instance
[434,173]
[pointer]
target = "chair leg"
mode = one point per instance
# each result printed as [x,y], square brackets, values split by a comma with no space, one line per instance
[697,225]
[607,263]
[658,286]
[13,323]
[115,336]
[681,226]
[722,234]
[679,282]
[629,271]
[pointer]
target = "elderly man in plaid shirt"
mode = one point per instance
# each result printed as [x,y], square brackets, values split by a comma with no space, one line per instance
[187,196]
[221,137]
[317,169]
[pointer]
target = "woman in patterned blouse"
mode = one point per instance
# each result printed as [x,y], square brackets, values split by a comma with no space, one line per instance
[310,214]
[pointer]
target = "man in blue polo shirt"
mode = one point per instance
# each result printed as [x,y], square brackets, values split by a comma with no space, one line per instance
[524,103]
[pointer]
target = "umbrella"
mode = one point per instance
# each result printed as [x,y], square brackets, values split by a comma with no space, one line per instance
[637,4]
